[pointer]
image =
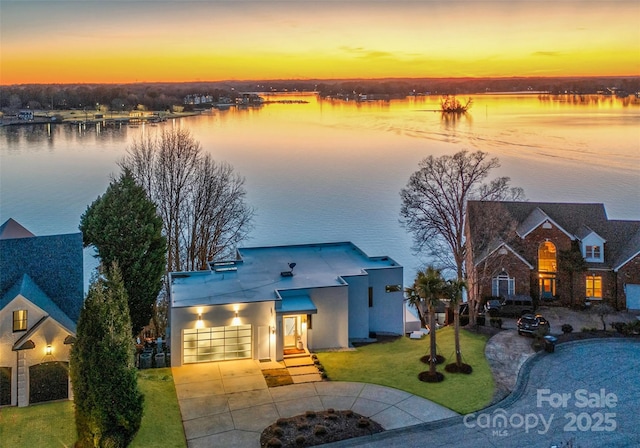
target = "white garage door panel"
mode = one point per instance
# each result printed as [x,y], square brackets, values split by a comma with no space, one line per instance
[633,296]
[216,344]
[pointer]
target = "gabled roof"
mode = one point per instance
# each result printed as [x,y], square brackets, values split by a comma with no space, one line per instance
[535,220]
[584,231]
[13,229]
[576,220]
[497,248]
[54,263]
[28,289]
[625,240]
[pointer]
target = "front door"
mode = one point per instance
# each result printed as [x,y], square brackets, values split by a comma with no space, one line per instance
[547,287]
[290,331]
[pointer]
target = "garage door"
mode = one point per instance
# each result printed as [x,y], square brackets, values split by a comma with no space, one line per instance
[217,344]
[633,296]
[48,381]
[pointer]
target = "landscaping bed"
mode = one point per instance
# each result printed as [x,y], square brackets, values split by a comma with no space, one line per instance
[316,428]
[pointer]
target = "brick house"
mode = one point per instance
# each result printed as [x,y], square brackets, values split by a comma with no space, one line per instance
[522,248]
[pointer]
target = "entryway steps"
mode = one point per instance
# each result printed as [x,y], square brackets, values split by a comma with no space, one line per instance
[302,368]
[299,361]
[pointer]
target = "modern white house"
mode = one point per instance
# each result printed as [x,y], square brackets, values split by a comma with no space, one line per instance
[270,299]
[41,294]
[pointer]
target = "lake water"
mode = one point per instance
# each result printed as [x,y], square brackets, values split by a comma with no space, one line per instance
[332,170]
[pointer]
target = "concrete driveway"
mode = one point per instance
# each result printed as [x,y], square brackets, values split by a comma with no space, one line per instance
[228,404]
[557,316]
[584,395]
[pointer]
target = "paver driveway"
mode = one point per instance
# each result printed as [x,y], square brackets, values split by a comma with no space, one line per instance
[586,394]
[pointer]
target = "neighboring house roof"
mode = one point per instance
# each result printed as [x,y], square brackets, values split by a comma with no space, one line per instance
[12,229]
[493,250]
[54,263]
[28,289]
[625,239]
[535,220]
[576,220]
[260,274]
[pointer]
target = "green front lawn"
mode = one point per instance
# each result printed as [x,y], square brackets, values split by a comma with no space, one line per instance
[397,364]
[53,425]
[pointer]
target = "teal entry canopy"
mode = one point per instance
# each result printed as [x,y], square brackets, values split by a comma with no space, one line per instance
[296,304]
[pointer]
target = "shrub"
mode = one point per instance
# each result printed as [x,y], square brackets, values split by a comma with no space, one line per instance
[331,411]
[566,328]
[300,440]
[348,413]
[278,431]
[108,404]
[320,430]
[495,322]
[282,422]
[274,442]
[302,426]
[311,414]
[332,417]
[364,422]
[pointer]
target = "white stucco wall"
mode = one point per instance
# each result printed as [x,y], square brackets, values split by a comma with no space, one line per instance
[358,306]
[330,326]
[49,333]
[386,315]
[255,314]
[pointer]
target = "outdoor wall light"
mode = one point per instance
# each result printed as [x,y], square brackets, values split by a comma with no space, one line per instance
[48,350]
[236,314]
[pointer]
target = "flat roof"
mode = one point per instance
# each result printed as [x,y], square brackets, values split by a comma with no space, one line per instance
[256,275]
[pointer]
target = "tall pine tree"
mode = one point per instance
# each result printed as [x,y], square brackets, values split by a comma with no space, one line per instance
[108,404]
[124,227]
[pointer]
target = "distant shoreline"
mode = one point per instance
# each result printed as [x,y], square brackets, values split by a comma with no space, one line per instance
[106,118]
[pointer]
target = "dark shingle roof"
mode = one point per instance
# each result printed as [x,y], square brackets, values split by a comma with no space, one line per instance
[27,288]
[622,237]
[54,263]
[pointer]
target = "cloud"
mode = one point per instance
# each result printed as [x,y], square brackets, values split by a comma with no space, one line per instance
[546,53]
[369,54]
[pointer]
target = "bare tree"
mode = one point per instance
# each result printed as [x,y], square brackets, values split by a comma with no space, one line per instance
[489,225]
[201,201]
[435,199]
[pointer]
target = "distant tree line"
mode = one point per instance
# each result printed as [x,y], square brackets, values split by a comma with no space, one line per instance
[162,96]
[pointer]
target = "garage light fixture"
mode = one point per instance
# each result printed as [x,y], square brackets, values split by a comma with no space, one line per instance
[48,350]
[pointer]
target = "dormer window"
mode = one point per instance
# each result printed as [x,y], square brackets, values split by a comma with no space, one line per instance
[593,252]
[593,247]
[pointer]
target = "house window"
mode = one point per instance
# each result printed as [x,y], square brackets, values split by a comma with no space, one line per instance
[393,288]
[370,297]
[593,252]
[547,261]
[594,286]
[503,285]
[20,320]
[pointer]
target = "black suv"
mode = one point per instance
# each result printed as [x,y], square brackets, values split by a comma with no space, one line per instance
[511,306]
[533,324]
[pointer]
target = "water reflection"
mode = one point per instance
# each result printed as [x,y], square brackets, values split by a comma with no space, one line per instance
[331,170]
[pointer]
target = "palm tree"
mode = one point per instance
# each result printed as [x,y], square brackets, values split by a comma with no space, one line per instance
[454,291]
[431,287]
[414,300]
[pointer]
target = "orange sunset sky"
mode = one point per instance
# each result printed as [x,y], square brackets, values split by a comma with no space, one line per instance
[98,41]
